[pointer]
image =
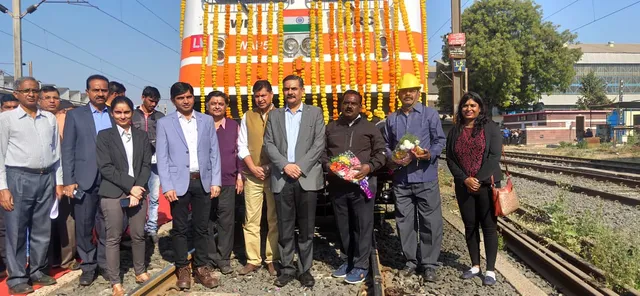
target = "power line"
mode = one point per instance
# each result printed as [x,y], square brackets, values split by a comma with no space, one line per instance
[90,53]
[72,60]
[149,10]
[612,13]
[445,23]
[133,28]
[561,9]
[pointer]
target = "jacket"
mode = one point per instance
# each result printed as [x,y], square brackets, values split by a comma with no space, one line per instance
[147,124]
[490,159]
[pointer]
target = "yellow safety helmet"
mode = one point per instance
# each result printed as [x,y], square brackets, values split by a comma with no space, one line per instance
[409,80]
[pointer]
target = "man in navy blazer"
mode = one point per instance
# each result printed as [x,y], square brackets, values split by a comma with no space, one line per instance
[80,174]
[189,169]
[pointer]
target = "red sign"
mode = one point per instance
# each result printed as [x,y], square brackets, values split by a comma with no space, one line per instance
[195,43]
[456,39]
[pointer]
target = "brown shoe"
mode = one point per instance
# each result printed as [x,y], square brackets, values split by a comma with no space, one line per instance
[141,278]
[249,268]
[272,269]
[184,278]
[118,290]
[204,276]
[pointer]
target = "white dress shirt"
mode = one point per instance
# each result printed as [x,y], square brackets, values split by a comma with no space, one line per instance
[190,131]
[243,142]
[29,142]
[127,141]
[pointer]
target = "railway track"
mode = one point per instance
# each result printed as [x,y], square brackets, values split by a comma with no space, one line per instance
[164,281]
[609,165]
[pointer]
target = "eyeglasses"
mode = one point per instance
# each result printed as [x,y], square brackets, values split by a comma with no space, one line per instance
[28,90]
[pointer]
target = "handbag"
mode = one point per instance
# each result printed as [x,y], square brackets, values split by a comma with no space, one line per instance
[505,199]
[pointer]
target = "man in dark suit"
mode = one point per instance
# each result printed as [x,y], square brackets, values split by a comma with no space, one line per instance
[189,168]
[294,140]
[81,176]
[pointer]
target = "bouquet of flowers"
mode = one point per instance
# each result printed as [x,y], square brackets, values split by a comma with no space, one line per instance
[343,166]
[407,143]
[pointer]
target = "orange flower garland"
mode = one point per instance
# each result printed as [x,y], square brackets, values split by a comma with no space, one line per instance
[183,5]
[392,63]
[412,45]
[214,48]
[238,50]
[425,49]
[379,95]
[225,67]
[249,71]
[320,36]
[396,43]
[367,62]
[359,65]
[280,53]
[333,62]
[341,45]
[203,64]
[259,38]
[269,41]
[350,54]
[312,54]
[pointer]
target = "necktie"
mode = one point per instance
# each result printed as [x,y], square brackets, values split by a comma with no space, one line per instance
[128,136]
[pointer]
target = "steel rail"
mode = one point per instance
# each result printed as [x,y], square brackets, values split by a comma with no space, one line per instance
[610,165]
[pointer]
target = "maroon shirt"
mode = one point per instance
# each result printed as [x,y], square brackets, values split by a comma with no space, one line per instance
[469,151]
[229,161]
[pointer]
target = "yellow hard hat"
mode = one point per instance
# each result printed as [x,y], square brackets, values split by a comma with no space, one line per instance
[409,80]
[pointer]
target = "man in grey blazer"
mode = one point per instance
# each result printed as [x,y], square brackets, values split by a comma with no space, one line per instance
[189,168]
[81,176]
[294,140]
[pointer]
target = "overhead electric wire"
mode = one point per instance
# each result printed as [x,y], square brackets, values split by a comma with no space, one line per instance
[161,19]
[90,53]
[71,59]
[446,22]
[605,16]
[561,9]
[133,28]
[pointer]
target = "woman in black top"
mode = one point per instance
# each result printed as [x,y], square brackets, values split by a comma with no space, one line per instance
[474,147]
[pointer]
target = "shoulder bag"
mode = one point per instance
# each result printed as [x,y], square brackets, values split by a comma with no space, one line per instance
[505,199]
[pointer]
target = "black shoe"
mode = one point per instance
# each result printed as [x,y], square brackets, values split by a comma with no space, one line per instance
[283,280]
[306,279]
[430,275]
[408,271]
[23,288]
[226,269]
[87,277]
[44,280]
[489,281]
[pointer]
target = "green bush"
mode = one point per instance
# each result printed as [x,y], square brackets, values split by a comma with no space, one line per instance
[582,144]
[564,144]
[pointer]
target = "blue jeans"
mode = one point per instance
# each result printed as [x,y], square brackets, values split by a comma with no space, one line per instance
[154,193]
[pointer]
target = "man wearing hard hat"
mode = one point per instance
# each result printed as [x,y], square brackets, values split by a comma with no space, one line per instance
[415,180]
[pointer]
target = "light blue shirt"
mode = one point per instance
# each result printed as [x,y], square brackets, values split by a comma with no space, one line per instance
[29,142]
[101,119]
[292,125]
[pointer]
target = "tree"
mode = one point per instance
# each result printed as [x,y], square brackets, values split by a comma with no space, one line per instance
[593,91]
[513,56]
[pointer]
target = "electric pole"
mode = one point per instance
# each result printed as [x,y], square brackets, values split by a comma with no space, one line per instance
[457,76]
[17,39]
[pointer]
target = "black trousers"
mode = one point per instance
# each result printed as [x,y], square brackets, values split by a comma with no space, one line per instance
[294,204]
[354,218]
[476,210]
[88,215]
[221,223]
[200,202]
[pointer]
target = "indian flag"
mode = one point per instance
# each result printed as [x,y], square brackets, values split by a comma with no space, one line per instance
[296,21]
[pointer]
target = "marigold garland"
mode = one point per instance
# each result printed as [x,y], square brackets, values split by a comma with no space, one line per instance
[259,38]
[323,93]
[379,95]
[359,65]
[269,41]
[367,61]
[312,54]
[350,53]
[396,43]
[227,47]
[203,64]
[412,46]
[333,62]
[183,5]
[391,63]
[341,45]
[425,48]
[249,71]
[238,50]
[214,48]
[280,53]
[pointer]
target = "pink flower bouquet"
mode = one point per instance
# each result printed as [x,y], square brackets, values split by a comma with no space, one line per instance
[343,166]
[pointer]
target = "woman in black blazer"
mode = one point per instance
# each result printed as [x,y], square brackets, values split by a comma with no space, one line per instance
[124,160]
[474,146]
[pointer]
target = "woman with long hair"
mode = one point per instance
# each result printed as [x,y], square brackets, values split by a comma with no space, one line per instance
[474,147]
[124,160]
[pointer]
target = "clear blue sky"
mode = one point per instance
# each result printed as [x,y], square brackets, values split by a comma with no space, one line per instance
[118,44]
